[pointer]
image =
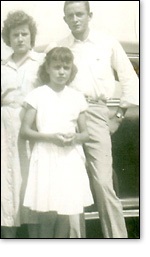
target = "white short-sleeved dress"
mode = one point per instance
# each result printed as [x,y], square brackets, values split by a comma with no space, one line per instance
[57,180]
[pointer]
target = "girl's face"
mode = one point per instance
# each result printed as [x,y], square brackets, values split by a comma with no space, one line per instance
[59,73]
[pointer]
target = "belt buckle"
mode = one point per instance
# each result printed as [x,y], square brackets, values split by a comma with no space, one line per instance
[90,100]
[95,101]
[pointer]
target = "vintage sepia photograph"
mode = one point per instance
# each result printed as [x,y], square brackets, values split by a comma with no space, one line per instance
[70,165]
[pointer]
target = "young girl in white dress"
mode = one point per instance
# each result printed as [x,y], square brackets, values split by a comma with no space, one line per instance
[58,184]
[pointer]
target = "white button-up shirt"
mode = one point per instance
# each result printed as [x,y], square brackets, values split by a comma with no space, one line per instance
[96,59]
[23,77]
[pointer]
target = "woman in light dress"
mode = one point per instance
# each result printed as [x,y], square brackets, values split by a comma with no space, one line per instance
[18,78]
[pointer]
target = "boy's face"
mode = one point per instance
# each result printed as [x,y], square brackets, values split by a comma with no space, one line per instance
[77,18]
[59,72]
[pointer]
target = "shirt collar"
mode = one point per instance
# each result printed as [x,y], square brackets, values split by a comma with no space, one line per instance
[91,38]
[31,55]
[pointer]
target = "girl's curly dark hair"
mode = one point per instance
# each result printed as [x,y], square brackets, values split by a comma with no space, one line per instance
[60,54]
[15,19]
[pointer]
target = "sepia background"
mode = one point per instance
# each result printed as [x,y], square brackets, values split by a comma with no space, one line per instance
[106,247]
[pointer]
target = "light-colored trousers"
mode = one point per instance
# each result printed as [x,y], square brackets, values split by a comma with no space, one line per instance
[99,159]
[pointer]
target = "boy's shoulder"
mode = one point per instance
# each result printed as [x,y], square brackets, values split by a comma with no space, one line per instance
[66,41]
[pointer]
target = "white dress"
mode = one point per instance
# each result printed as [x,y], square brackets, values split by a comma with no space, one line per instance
[57,180]
[16,83]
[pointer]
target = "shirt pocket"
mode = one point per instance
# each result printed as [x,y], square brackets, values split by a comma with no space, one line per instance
[101,66]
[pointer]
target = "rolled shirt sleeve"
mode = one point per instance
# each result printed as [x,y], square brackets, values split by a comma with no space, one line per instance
[127,76]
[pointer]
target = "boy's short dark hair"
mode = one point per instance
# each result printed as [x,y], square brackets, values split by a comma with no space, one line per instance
[86,3]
